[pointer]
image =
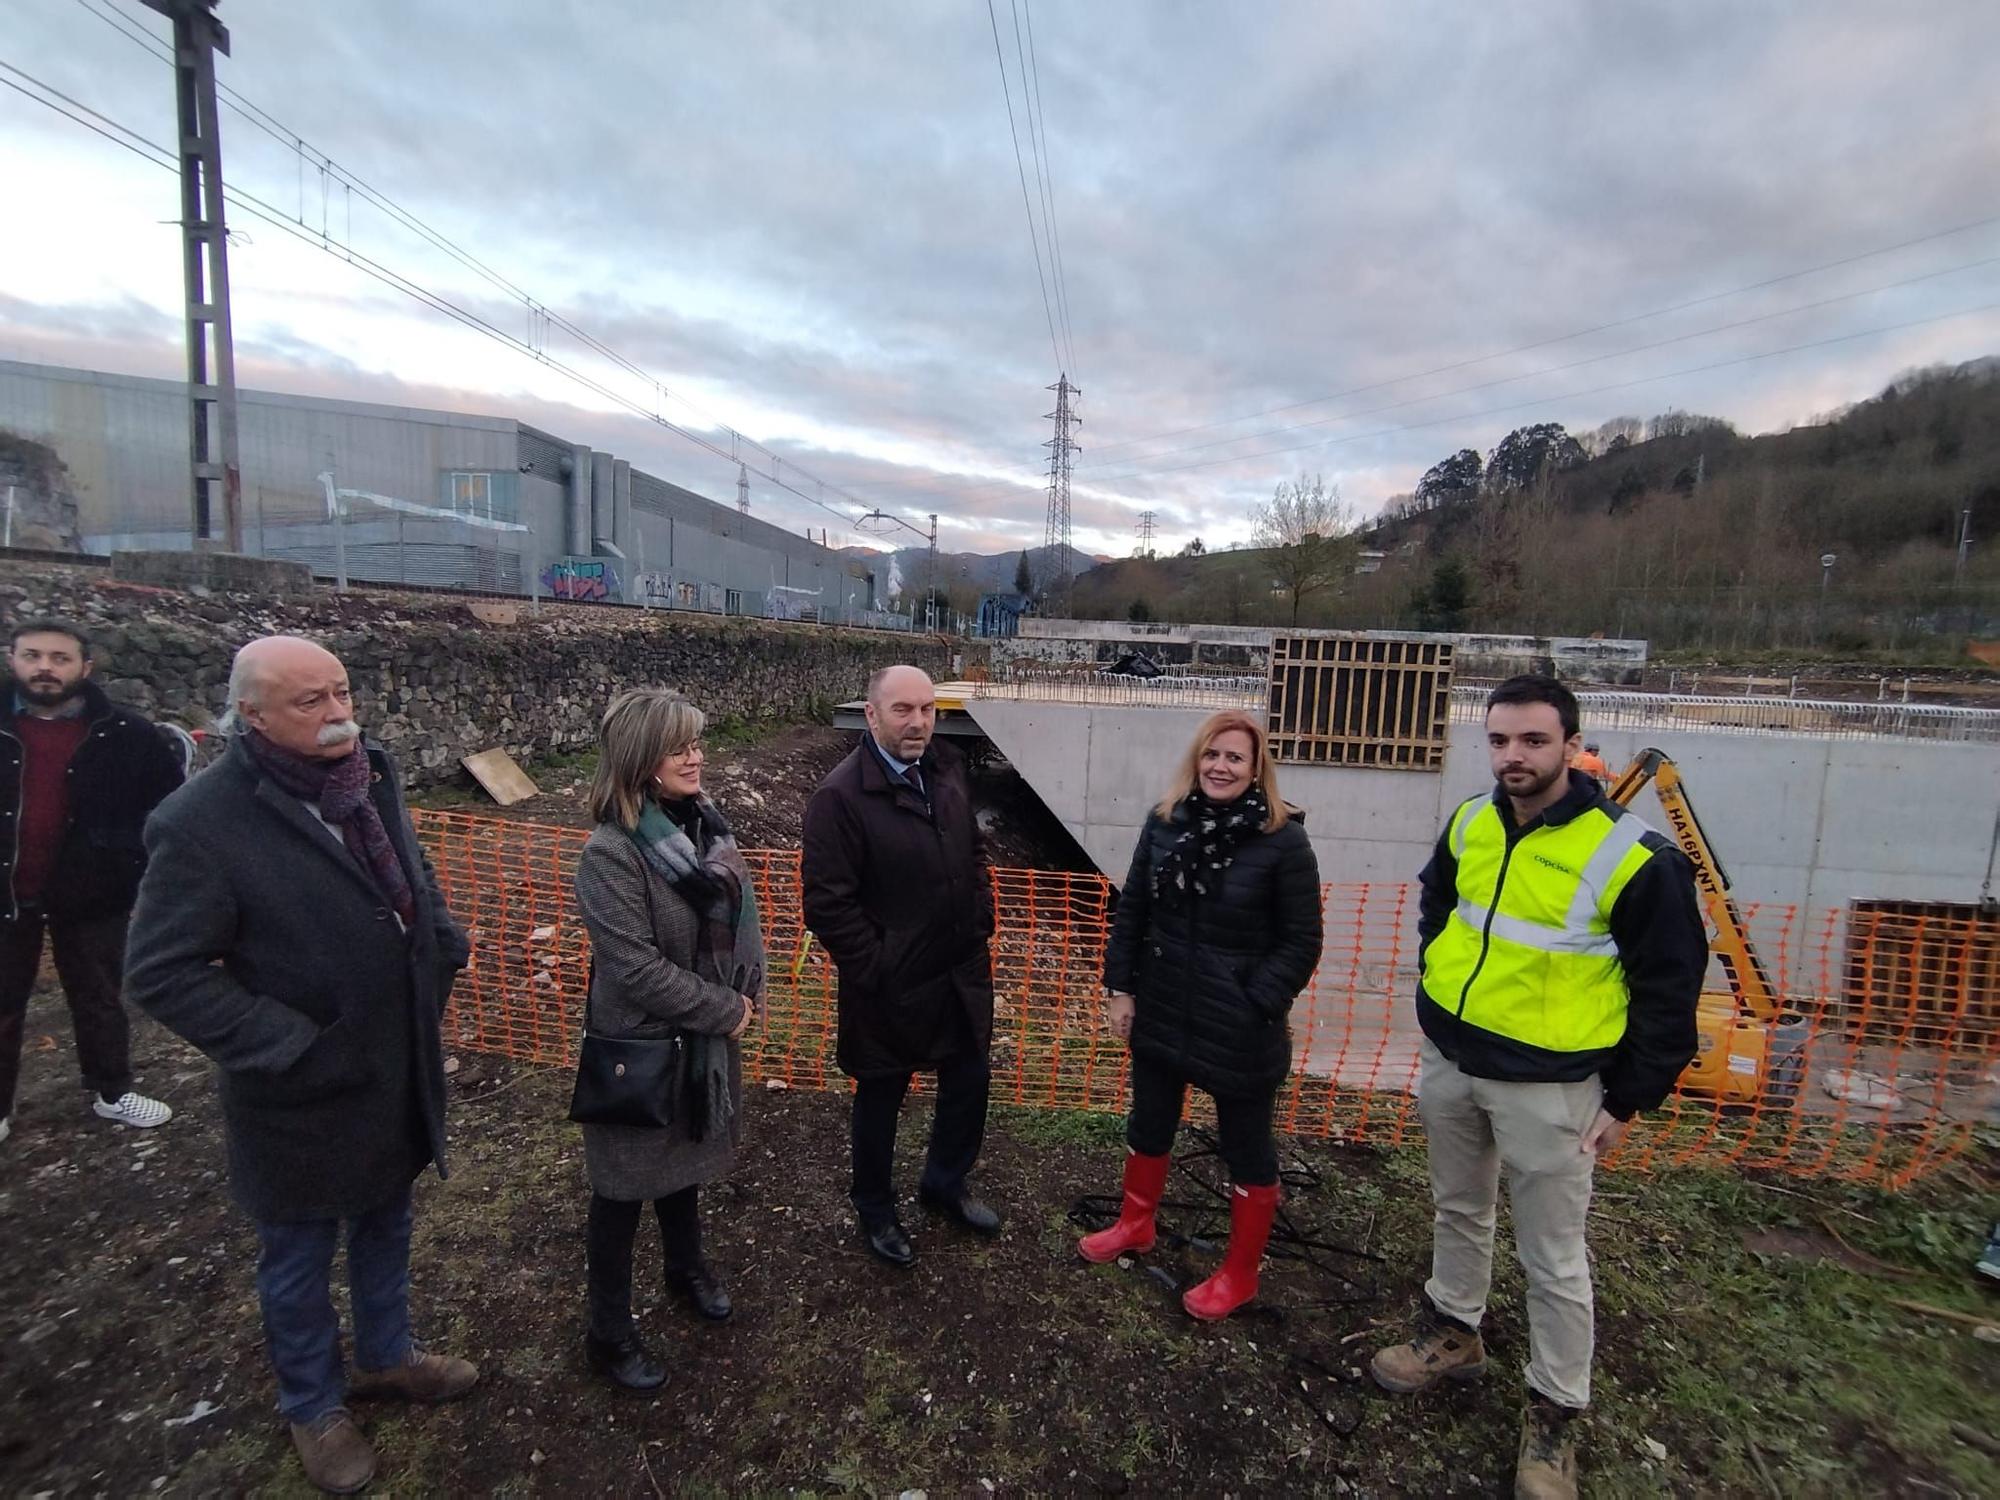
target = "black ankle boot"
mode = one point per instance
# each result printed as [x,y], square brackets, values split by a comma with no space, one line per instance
[625,1362]
[697,1286]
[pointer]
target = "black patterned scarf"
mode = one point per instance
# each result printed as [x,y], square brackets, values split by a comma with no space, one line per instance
[339,789]
[1210,833]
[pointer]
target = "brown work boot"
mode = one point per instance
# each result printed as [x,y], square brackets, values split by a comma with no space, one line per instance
[1440,1351]
[1546,1468]
[336,1456]
[422,1377]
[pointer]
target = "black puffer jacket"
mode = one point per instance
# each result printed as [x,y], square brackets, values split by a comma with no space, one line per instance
[1214,976]
[124,768]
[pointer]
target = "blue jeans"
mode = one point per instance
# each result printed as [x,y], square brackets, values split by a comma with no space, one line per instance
[301,1332]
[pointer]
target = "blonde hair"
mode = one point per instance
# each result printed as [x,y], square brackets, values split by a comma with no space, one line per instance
[640,729]
[1187,775]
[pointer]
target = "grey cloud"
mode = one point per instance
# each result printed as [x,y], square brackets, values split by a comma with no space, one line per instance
[1258,206]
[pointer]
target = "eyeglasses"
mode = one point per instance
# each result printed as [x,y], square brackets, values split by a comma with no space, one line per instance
[693,750]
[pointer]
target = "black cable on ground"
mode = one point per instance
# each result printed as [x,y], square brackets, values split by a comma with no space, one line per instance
[1204,1224]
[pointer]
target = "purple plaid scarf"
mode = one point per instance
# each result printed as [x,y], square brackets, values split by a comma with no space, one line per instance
[339,789]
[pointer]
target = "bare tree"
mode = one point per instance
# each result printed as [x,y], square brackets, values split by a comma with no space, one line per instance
[1306,530]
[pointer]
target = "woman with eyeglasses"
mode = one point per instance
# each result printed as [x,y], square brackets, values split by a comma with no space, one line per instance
[675,950]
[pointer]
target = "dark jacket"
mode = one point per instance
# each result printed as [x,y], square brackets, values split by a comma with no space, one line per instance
[1213,977]
[1662,947]
[262,941]
[124,768]
[897,890]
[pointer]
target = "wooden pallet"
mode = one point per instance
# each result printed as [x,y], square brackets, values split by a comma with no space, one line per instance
[1360,699]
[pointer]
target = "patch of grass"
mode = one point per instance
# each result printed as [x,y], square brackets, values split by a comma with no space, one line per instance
[1758,1370]
[1064,1127]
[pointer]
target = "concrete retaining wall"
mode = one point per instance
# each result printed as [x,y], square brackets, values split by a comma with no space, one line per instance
[1794,820]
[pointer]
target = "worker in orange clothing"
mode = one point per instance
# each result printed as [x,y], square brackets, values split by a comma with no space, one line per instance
[1592,764]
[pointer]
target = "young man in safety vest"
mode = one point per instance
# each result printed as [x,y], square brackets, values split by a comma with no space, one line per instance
[1562,952]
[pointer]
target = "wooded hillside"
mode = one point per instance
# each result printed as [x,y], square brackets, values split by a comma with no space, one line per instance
[1678,529]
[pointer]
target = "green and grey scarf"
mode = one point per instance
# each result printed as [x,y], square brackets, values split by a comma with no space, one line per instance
[726,911]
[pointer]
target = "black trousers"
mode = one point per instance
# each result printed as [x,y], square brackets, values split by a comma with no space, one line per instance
[90,962]
[958,1129]
[608,1238]
[1243,1123]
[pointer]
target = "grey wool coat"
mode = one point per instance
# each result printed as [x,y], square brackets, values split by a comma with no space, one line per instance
[258,938]
[642,954]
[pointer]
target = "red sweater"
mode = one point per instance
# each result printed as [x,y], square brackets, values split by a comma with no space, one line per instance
[46,748]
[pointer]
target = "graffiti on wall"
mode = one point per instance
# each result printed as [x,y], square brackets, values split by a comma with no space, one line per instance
[664,591]
[589,579]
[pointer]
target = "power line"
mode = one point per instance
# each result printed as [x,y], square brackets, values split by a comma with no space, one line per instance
[1144,465]
[541,317]
[1030,477]
[1562,338]
[1014,135]
[1594,359]
[1038,139]
[1620,385]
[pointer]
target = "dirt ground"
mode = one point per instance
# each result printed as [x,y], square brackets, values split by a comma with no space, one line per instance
[130,1357]
[761,779]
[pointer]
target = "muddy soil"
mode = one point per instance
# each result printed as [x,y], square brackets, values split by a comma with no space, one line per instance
[131,1359]
[763,781]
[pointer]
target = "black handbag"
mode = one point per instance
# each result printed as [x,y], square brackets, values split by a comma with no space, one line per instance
[626,1080]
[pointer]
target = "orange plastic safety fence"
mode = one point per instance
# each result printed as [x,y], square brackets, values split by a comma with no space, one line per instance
[1883,1060]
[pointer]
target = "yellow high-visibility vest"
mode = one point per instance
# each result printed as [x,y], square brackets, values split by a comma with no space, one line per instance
[1527,953]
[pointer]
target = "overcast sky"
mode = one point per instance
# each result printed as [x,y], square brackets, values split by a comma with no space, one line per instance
[806,220]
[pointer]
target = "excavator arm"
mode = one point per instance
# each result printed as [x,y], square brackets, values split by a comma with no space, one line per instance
[1730,941]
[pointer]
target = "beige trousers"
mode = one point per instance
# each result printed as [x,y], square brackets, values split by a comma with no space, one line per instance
[1477,1126]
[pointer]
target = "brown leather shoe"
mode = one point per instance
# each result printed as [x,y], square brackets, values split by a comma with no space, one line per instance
[1440,1351]
[1546,1466]
[336,1456]
[423,1377]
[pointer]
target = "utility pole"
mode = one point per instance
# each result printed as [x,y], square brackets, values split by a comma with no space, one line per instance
[1059,560]
[212,449]
[743,493]
[1146,518]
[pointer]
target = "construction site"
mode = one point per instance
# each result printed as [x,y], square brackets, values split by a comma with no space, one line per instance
[1774,599]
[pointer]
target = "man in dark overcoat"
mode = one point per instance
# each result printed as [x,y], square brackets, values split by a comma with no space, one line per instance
[896,888]
[291,928]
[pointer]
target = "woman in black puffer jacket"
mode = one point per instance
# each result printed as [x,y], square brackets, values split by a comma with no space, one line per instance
[1218,929]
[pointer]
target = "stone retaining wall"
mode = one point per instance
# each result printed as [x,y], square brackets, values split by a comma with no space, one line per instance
[438,678]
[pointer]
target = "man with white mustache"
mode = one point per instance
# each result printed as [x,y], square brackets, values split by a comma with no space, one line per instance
[290,927]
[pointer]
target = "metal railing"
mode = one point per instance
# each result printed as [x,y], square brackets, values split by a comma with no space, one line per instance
[1816,718]
[1116,691]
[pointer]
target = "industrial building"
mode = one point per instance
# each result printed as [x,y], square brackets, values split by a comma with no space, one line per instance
[580,522]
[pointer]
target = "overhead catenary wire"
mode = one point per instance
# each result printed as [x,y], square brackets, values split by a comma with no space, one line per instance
[1014,135]
[540,316]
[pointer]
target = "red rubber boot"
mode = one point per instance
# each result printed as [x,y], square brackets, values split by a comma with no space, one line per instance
[1145,1181]
[1251,1210]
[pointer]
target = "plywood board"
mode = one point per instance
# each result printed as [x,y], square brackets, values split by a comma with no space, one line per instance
[505,782]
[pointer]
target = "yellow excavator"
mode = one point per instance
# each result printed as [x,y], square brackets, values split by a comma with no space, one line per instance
[1750,1049]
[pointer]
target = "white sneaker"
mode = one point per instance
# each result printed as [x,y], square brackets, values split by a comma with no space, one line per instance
[133,1109]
